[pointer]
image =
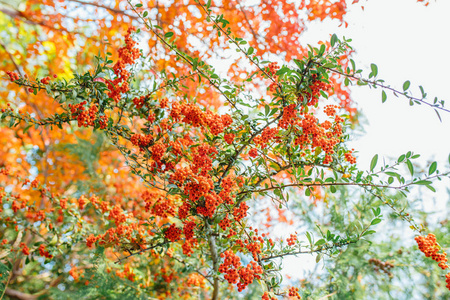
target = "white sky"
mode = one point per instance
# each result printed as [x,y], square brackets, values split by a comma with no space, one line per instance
[407,41]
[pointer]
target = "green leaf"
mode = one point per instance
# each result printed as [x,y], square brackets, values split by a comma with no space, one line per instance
[368,232]
[432,168]
[431,188]
[322,50]
[168,34]
[383,96]
[374,70]
[318,257]
[145,14]
[410,167]
[373,163]
[333,40]
[250,51]
[406,85]
[138,5]
[208,4]
[423,182]
[320,242]
[375,221]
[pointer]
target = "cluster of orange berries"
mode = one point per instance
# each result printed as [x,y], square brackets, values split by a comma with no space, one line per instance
[126,273]
[44,253]
[195,279]
[142,141]
[139,101]
[272,68]
[46,80]
[316,86]
[229,138]
[291,240]
[127,56]
[240,212]
[430,248]
[158,151]
[173,233]
[266,296]
[225,223]
[87,117]
[266,136]
[162,208]
[235,273]
[25,249]
[193,115]
[289,116]
[253,152]
[349,157]
[13,76]
[293,292]
[330,110]
[428,245]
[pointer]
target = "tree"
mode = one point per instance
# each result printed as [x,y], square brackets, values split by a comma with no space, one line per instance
[179,227]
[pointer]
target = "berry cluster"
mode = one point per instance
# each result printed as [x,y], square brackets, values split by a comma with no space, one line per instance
[229,138]
[385,267]
[293,292]
[13,76]
[315,87]
[235,273]
[173,233]
[139,101]
[266,296]
[291,240]
[127,56]
[87,117]
[25,249]
[430,248]
[141,140]
[45,80]
[44,253]
[253,152]
[195,279]
[266,136]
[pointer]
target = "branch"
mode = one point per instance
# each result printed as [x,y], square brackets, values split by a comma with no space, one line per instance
[319,249]
[214,257]
[375,83]
[141,251]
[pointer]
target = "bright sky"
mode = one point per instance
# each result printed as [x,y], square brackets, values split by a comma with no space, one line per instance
[407,41]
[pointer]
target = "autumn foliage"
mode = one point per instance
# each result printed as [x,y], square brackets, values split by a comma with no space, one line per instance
[131,167]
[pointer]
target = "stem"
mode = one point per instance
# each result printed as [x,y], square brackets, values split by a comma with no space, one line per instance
[214,257]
